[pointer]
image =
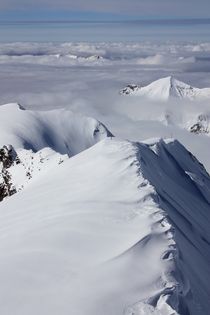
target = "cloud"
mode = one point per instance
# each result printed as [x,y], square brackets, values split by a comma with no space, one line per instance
[142,55]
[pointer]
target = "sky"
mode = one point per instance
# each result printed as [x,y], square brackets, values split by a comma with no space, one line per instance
[12,10]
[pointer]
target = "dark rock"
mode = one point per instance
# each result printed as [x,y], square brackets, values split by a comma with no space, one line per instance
[130,88]
[6,186]
[8,157]
[202,125]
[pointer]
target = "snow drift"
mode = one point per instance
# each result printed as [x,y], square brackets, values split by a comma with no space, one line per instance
[126,232]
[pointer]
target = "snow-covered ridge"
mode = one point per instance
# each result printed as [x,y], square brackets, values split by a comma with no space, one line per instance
[61,130]
[166,88]
[39,141]
[181,184]
[131,227]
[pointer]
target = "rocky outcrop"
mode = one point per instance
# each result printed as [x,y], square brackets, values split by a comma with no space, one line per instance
[201,126]
[8,157]
[129,89]
[18,168]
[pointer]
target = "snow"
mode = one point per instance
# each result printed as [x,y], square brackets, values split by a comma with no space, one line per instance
[99,224]
[62,130]
[31,165]
[104,242]
[166,88]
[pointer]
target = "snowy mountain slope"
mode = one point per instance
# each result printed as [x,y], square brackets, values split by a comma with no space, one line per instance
[19,168]
[166,88]
[183,187]
[126,232]
[61,130]
[41,140]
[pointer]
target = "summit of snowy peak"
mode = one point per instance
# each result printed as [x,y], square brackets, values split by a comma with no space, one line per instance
[166,88]
[169,87]
[170,81]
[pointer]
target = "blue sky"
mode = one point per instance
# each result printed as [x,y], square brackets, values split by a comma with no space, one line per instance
[102,9]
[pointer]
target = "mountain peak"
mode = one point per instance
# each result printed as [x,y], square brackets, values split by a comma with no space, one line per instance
[170,87]
[171,81]
[166,88]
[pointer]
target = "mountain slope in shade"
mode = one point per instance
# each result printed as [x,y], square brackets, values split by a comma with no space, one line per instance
[61,130]
[126,232]
[166,88]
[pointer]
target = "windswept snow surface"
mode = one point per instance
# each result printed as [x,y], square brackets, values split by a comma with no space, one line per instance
[166,88]
[62,130]
[126,232]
